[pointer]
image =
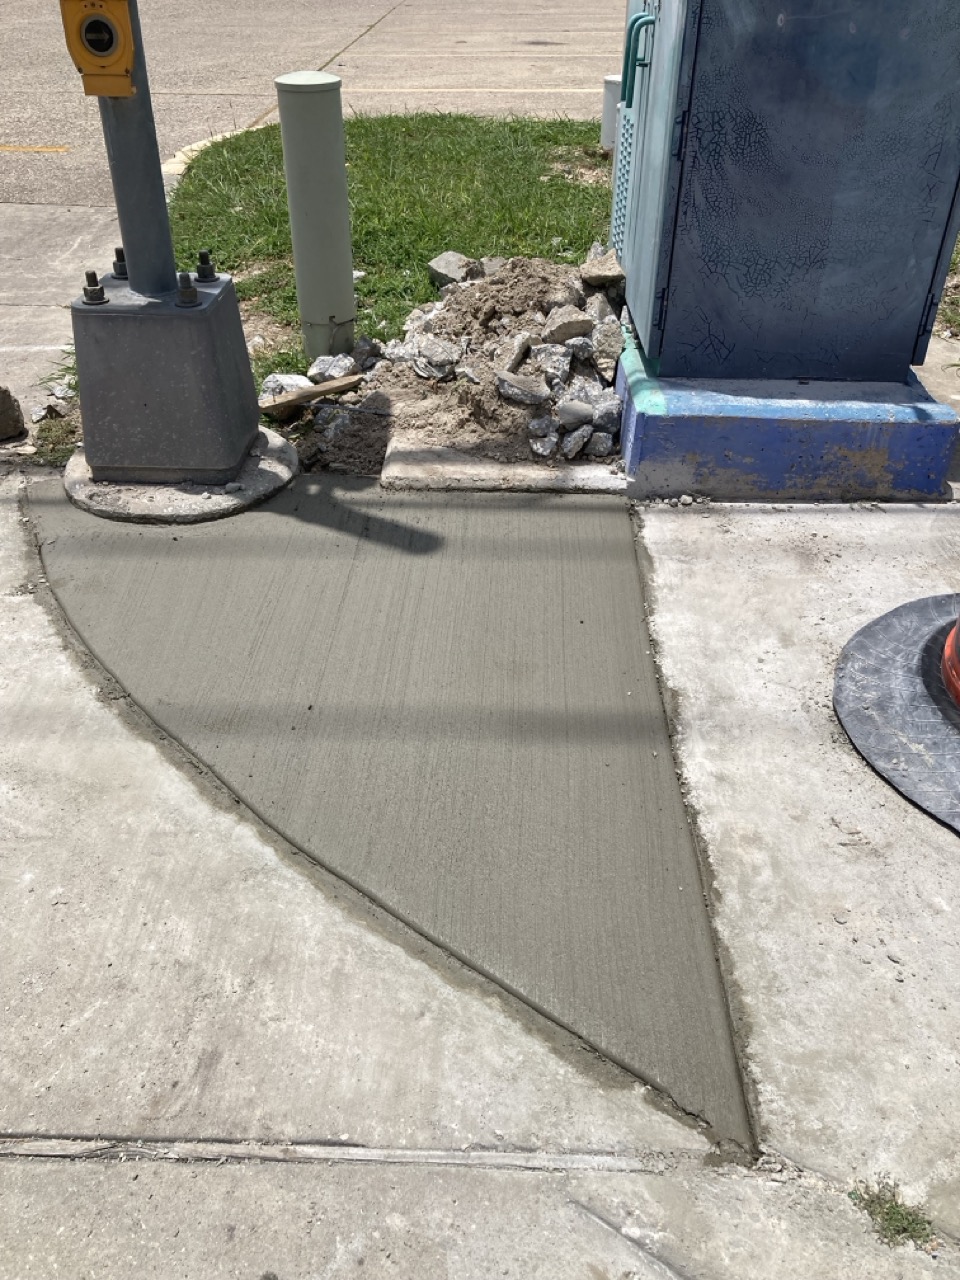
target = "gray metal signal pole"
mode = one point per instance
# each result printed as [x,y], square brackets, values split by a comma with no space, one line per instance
[134,158]
[166,389]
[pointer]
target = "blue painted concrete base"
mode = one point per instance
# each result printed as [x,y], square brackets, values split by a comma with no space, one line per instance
[817,441]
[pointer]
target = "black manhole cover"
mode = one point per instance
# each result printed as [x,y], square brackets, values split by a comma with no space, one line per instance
[890,698]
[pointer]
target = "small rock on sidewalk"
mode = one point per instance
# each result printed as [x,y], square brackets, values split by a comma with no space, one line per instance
[11,416]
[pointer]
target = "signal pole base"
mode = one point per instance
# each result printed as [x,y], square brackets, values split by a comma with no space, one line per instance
[166,390]
[267,469]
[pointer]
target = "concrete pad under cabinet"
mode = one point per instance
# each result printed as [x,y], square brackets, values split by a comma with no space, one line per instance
[802,440]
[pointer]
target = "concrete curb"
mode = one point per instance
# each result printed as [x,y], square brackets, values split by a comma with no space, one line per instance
[411,464]
[178,164]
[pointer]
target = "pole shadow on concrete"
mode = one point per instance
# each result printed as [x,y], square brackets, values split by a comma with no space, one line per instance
[448,700]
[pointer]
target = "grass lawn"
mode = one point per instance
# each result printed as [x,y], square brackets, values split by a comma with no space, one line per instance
[419,184]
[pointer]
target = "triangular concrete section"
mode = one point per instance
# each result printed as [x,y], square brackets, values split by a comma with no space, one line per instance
[448,700]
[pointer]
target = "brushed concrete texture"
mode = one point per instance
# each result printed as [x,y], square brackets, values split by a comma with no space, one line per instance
[448,700]
[170,969]
[177,1221]
[835,899]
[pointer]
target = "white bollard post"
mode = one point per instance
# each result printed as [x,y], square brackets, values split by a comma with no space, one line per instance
[608,121]
[314,161]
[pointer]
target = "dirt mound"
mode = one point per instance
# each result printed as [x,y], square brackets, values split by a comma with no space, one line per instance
[487,370]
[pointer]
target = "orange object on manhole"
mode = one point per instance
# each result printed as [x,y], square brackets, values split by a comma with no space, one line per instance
[950,664]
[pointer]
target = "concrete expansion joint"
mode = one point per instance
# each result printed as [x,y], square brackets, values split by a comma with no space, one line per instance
[332,1151]
[722,1161]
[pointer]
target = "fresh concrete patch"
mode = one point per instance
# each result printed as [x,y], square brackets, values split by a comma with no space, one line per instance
[447,700]
[834,897]
[411,464]
[270,465]
[172,969]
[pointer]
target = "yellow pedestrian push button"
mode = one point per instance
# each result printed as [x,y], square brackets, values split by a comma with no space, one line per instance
[100,39]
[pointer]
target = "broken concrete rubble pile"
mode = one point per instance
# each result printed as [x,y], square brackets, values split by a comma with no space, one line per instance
[552,347]
[515,358]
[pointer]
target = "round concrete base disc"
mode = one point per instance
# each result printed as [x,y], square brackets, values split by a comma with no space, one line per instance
[271,464]
[890,698]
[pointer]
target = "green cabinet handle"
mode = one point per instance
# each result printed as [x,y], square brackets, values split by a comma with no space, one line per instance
[631,55]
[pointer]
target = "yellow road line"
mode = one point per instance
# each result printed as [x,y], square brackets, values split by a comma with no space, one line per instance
[45,150]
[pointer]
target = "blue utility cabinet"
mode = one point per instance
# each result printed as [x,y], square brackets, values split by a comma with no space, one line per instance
[786,184]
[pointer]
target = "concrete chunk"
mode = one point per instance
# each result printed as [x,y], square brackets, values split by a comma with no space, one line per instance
[511,355]
[602,272]
[542,427]
[607,347]
[580,348]
[545,446]
[575,441]
[492,265]
[453,268]
[600,445]
[574,414]
[607,411]
[598,307]
[567,322]
[553,360]
[280,384]
[326,368]
[522,389]
[587,388]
